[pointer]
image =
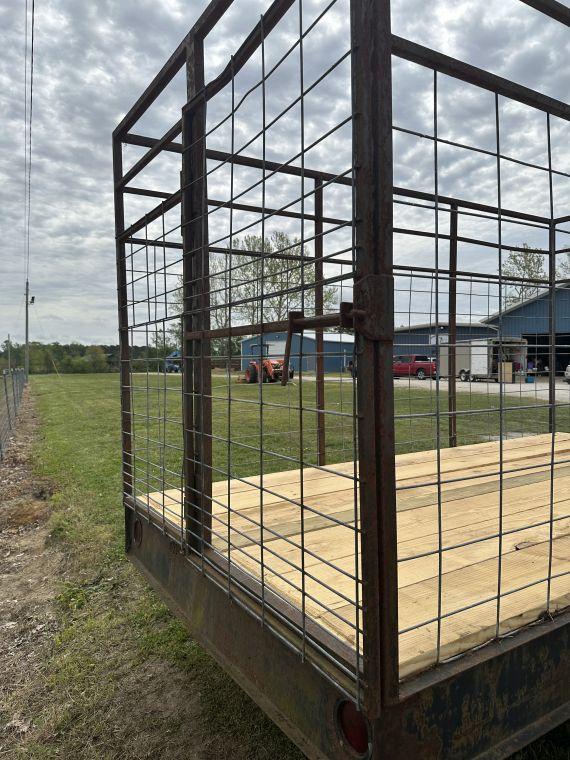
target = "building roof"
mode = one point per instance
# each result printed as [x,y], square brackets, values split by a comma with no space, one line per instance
[431,326]
[329,337]
[519,305]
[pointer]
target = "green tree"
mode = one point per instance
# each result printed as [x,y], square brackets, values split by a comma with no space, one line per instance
[521,268]
[96,359]
[258,288]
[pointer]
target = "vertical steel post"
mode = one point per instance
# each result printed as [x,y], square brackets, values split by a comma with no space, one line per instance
[124,350]
[452,328]
[374,290]
[197,369]
[552,327]
[319,310]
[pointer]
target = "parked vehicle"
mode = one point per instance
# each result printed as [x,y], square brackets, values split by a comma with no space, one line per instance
[173,362]
[271,371]
[486,359]
[567,374]
[414,365]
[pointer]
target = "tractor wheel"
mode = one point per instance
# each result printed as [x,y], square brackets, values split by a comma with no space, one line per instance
[251,375]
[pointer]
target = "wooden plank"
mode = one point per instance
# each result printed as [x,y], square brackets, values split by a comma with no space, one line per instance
[462,587]
[469,512]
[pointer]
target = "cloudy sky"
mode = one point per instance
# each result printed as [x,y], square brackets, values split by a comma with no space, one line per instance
[93,59]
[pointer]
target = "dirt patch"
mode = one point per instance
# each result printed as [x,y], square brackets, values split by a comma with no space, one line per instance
[28,569]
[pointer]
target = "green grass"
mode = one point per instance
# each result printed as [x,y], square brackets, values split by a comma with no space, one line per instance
[113,629]
[236,418]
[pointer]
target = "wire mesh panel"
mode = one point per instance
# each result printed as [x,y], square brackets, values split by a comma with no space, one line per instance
[271,497]
[345,332]
[480,355]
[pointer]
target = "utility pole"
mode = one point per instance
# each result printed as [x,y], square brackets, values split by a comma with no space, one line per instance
[27,349]
[29,302]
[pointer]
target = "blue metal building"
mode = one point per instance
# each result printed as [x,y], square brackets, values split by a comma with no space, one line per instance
[421,339]
[338,350]
[531,320]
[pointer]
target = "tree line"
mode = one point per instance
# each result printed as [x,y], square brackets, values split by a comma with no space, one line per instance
[64,358]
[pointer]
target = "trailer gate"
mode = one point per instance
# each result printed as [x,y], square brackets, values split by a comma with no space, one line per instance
[382,563]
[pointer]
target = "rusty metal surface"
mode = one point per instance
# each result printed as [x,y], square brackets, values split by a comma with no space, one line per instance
[373,194]
[486,705]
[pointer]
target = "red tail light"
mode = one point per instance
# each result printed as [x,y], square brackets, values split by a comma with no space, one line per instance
[353,727]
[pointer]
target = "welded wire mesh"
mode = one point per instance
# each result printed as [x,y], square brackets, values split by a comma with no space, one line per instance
[246,377]
[481,350]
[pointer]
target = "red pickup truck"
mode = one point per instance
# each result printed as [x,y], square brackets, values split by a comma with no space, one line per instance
[414,365]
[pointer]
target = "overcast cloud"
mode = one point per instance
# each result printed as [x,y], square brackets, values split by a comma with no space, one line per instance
[94,59]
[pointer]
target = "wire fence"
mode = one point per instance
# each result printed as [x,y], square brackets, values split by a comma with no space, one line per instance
[11,389]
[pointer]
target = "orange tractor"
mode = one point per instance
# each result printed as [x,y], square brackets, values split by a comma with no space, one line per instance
[271,371]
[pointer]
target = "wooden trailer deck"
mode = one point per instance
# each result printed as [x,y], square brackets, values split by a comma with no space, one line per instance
[470,506]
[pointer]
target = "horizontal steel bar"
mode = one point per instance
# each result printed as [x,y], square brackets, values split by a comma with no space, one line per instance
[415,53]
[274,212]
[300,323]
[297,171]
[151,153]
[155,213]
[211,15]
[149,193]
[552,8]
[148,142]
[243,54]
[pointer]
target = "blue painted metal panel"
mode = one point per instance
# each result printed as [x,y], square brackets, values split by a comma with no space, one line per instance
[532,317]
[422,339]
[337,353]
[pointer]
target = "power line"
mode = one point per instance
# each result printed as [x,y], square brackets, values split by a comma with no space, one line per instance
[28,119]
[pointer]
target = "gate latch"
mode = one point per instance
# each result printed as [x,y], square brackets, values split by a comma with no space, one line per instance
[373,312]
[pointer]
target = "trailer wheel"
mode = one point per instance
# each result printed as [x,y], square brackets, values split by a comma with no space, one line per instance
[463,376]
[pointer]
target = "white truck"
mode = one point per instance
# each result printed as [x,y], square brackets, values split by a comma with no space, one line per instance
[486,359]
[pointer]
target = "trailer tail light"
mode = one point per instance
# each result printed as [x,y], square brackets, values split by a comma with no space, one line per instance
[353,727]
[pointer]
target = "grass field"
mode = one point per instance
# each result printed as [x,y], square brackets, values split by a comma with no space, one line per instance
[239,432]
[96,699]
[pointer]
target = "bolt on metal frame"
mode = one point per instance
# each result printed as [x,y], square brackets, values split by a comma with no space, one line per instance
[159,259]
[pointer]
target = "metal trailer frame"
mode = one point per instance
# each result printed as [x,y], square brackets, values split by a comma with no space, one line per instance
[487,703]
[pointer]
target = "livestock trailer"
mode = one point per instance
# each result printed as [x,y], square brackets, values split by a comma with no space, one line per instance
[383,569]
[485,359]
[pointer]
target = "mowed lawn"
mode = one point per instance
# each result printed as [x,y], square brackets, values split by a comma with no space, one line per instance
[277,426]
[112,626]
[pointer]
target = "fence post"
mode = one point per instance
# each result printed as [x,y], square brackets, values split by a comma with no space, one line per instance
[7,401]
[15,399]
